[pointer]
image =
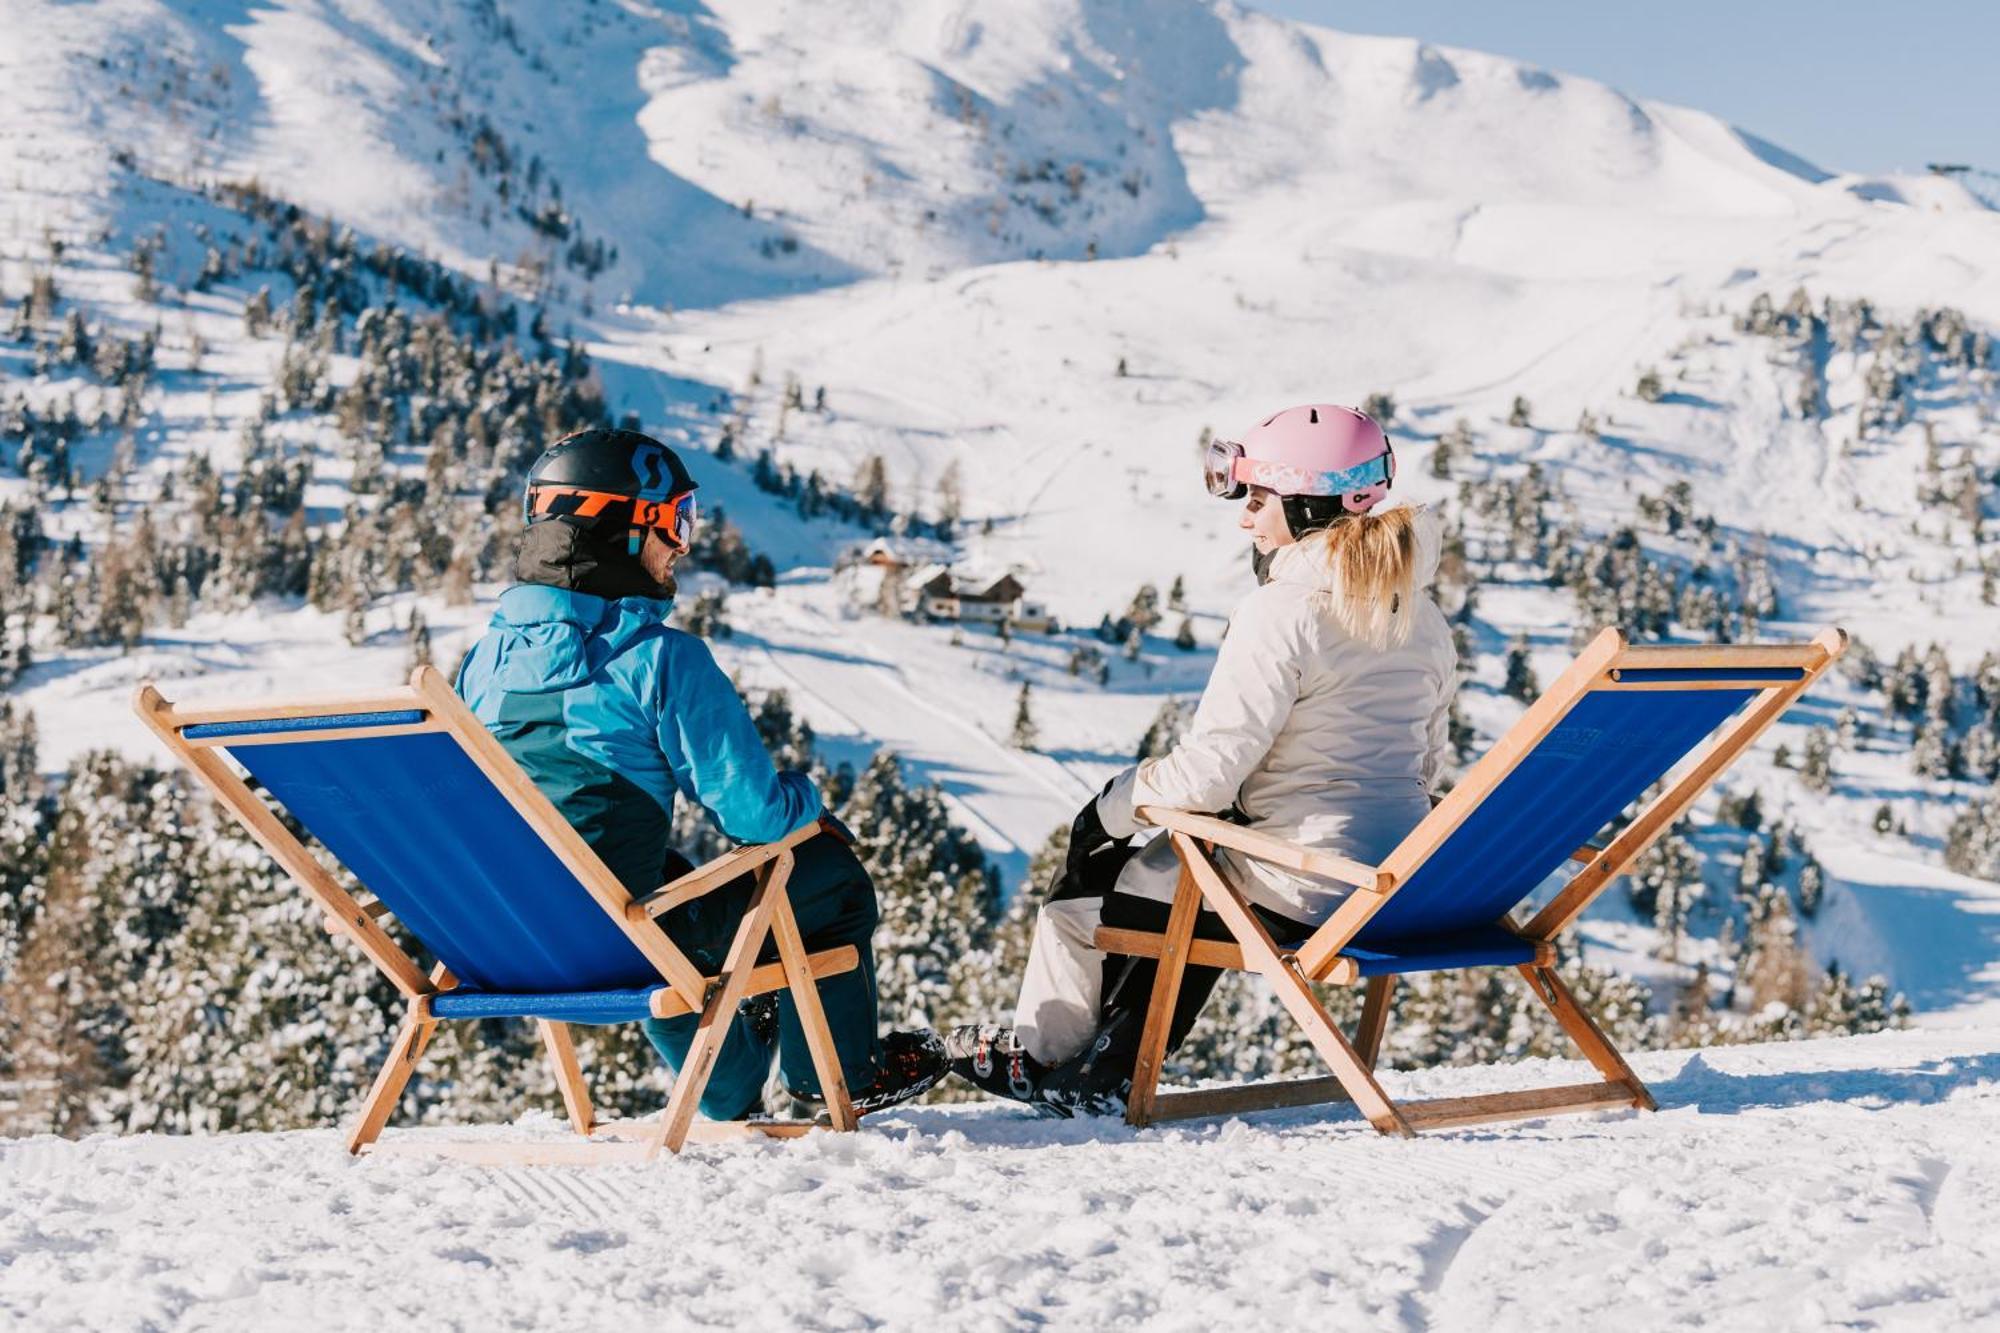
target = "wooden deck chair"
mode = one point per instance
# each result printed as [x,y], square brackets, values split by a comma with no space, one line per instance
[1614,724]
[411,793]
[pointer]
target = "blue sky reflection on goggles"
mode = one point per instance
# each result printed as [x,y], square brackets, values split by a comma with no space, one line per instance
[1229,474]
[676,520]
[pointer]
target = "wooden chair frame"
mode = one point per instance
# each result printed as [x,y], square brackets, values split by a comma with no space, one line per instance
[1291,972]
[714,998]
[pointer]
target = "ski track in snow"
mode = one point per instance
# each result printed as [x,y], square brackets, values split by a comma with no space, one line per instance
[876,698]
[1852,1183]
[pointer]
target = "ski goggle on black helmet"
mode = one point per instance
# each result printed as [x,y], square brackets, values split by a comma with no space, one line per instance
[600,478]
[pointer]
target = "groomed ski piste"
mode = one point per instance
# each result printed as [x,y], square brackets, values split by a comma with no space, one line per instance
[1850,1184]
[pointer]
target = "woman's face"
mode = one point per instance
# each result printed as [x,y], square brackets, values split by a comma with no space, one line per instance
[1264,519]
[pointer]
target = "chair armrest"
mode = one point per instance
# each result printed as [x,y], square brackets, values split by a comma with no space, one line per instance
[707,878]
[1274,851]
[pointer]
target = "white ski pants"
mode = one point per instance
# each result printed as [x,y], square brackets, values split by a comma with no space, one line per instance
[1063,985]
[1062,989]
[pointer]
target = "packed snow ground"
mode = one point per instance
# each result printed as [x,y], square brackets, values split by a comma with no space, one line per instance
[1851,1183]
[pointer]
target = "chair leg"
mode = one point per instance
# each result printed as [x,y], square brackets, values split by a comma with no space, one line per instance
[718,1012]
[1589,1038]
[812,1014]
[1374,1019]
[1260,951]
[1139,1103]
[569,1077]
[394,1075]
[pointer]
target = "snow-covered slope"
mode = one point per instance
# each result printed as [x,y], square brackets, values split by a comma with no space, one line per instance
[1850,1183]
[962,221]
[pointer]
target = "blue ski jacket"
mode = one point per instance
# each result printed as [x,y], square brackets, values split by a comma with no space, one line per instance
[612,712]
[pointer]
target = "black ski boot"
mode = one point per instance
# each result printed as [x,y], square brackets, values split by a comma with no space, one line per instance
[912,1063]
[1099,1081]
[761,1013]
[991,1058]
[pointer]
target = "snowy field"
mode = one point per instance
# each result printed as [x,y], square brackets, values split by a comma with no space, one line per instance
[1851,1183]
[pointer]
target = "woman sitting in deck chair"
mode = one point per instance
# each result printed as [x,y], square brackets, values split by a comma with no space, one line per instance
[1324,723]
[613,713]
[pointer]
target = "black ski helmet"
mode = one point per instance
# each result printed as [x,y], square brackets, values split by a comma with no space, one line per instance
[603,481]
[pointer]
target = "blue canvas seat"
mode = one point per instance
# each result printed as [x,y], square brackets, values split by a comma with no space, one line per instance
[457,865]
[1474,946]
[1619,721]
[591,1006]
[521,919]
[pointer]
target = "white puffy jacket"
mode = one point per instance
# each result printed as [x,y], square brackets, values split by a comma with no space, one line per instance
[1315,736]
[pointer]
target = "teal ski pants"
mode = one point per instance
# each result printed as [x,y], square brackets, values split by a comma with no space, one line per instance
[834,901]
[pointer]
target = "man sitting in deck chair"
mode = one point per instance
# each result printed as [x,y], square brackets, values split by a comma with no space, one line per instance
[613,713]
[1323,723]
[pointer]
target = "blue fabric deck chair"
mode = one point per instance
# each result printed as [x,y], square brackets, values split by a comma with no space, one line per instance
[1618,721]
[438,823]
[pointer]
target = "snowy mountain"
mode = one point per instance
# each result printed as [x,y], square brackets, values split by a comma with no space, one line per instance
[1025,256]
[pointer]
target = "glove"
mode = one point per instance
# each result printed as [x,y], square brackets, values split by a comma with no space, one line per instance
[1088,836]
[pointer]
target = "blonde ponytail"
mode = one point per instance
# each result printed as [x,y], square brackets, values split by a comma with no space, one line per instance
[1372,559]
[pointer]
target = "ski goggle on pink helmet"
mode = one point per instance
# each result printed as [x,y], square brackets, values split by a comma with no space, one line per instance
[1318,449]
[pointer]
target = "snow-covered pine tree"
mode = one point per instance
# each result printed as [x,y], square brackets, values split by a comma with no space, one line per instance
[986,980]
[1754,870]
[1930,752]
[1812,887]
[1520,683]
[1144,613]
[938,896]
[1024,732]
[1671,907]
[1693,1020]
[1817,763]
[1669,866]
[1165,730]
[1455,446]
[1775,975]
[26,816]
[1972,842]
[419,650]
[951,492]
[871,487]
[238,1011]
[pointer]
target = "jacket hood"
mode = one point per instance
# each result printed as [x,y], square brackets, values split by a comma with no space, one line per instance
[552,638]
[1305,564]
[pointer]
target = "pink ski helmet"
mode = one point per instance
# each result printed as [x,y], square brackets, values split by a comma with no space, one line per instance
[1317,452]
